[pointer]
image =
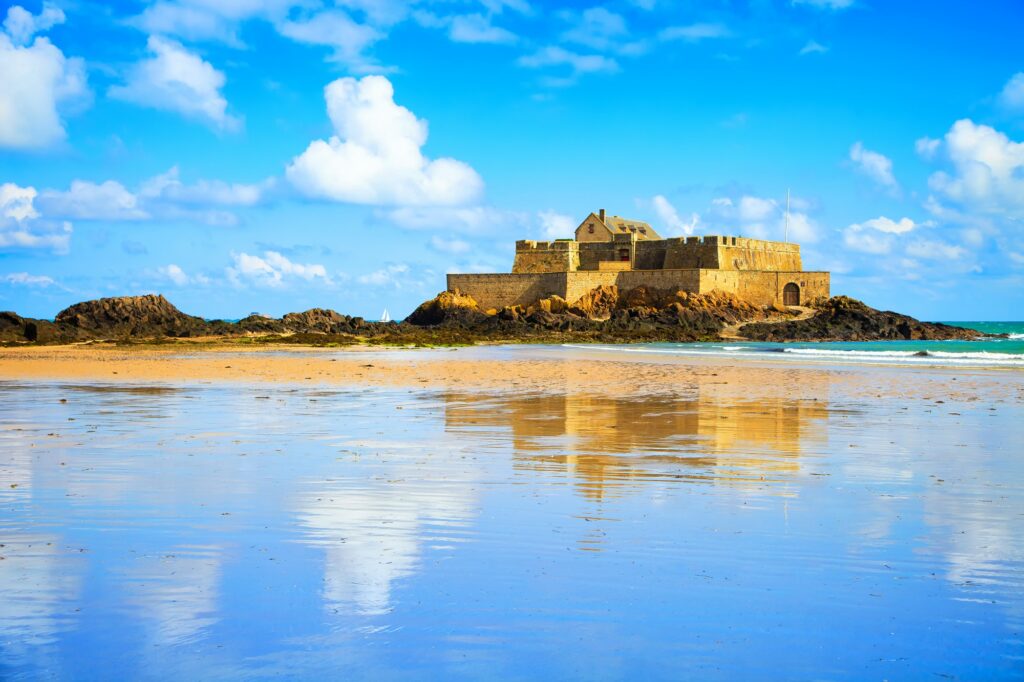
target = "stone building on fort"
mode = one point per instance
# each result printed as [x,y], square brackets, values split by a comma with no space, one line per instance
[609,250]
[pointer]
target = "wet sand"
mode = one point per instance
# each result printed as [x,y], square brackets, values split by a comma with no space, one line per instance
[514,368]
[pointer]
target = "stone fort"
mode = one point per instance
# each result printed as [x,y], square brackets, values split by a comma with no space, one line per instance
[610,250]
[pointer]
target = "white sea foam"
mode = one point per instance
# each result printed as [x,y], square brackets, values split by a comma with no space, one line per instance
[1016,337]
[979,358]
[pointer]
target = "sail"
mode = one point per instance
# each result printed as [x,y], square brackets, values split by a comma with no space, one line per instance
[384,316]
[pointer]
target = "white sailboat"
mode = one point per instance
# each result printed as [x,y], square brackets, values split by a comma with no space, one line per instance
[384,316]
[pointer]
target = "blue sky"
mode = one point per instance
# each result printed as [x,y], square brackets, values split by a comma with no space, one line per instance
[238,155]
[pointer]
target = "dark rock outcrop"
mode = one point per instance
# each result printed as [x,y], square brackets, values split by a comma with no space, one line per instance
[132,316]
[603,314]
[841,318]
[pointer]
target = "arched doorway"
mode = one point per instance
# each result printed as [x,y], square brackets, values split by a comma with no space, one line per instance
[791,294]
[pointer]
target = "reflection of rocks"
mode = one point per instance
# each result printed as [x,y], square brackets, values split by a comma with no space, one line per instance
[608,443]
[177,592]
[374,536]
[39,584]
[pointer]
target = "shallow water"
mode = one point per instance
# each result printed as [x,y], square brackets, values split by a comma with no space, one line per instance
[246,532]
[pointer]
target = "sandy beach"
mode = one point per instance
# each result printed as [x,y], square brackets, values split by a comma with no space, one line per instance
[513,368]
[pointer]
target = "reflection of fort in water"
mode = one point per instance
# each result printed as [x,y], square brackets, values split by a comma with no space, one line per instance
[611,444]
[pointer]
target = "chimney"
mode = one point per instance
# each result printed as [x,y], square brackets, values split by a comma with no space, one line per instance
[600,214]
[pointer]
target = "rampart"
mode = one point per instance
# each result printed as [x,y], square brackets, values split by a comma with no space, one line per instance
[711,252]
[761,287]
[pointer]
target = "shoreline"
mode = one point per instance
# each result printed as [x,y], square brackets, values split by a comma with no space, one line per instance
[520,368]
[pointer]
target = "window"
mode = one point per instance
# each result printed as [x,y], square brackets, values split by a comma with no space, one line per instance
[590,228]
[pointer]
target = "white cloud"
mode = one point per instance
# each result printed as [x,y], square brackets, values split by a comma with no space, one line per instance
[208,19]
[39,82]
[857,238]
[876,166]
[175,274]
[27,280]
[90,201]
[453,246]
[164,196]
[1011,97]
[334,29]
[695,32]
[813,47]
[390,275]
[272,270]
[376,156]
[467,219]
[21,225]
[579,64]
[169,187]
[554,225]
[596,27]
[175,79]
[674,226]
[825,4]
[988,170]
[883,224]
[927,147]
[763,218]
[477,28]
[875,236]
[21,25]
[935,250]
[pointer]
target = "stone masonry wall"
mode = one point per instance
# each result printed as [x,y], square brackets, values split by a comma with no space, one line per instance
[498,291]
[556,256]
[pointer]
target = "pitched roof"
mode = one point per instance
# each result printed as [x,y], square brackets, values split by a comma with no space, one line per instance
[620,225]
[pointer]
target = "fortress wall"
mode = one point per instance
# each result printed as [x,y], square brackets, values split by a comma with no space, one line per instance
[580,282]
[739,253]
[688,280]
[722,280]
[592,253]
[649,255]
[765,288]
[498,291]
[557,256]
[691,252]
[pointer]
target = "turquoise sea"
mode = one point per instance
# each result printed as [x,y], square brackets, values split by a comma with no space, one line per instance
[1005,351]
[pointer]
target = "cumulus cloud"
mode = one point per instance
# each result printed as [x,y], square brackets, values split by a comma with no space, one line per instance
[693,33]
[26,280]
[334,29]
[596,27]
[555,225]
[39,82]
[927,147]
[987,170]
[22,226]
[873,165]
[164,196]
[84,200]
[175,274]
[671,224]
[21,25]
[176,79]
[376,155]
[762,218]
[208,19]
[272,270]
[1011,98]
[392,275]
[876,236]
